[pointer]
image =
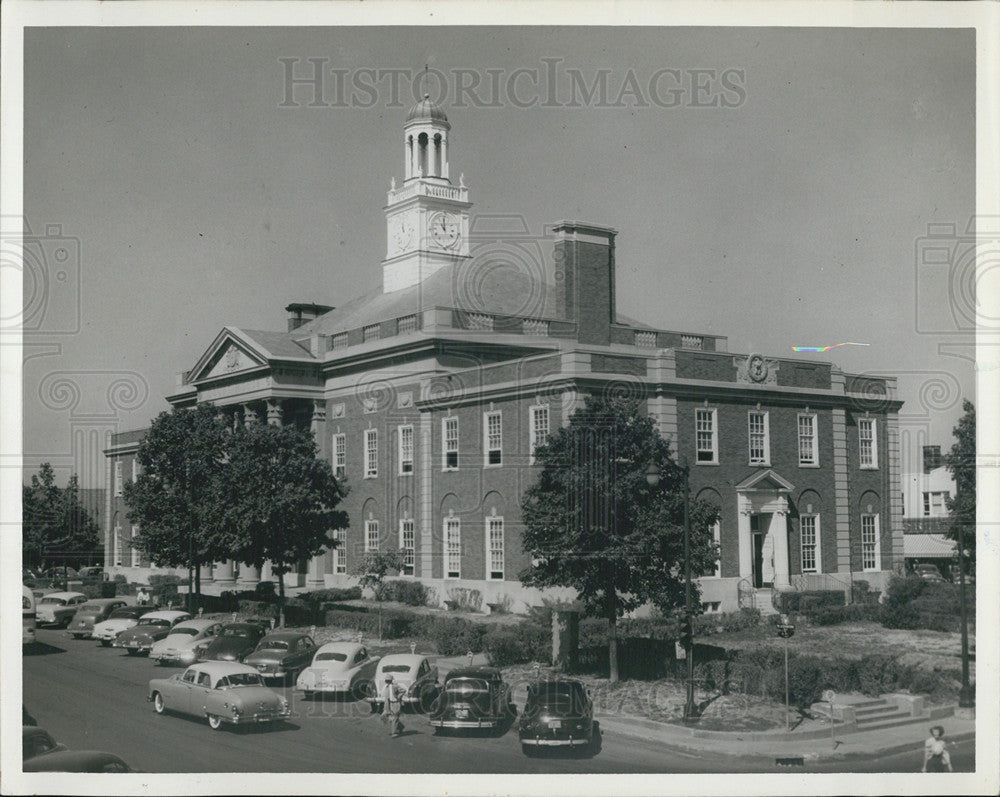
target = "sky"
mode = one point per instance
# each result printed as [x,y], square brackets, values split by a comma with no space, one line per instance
[773,185]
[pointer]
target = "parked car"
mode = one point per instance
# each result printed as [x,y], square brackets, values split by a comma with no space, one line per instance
[93,571]
[220,691]
[76,761]
[970,578]
[58,608]
[41,592]
[90,613]
[151,628]
[338,667]
[178,647]
[473,697]
[557,713]
[233,643]
[282,654]
[414,672]
[120,619]
[37,741]
[929,573]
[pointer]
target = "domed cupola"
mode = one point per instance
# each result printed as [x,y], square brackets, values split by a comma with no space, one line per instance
[425,138]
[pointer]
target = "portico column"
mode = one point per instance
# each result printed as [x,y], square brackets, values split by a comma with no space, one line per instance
[249,577]
[265,573]
[779,533]
[745,541]
[223,574]
[249,415]
[314,577]
[432,158]
[274,412]
[317,426]
[444,157]
[206,573]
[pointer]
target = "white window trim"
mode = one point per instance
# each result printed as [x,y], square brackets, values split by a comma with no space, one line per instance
[819,547]
[486,439]
[874,463]
[815,439]
[371,468]
[533,442]
[766,461]
[135,469]
[116,545]
[447,551]
[717,539]
[715,435]
[400,432]
[370,526]
[340,552]
[132,549]
[118,478]
[340,438]
[403,548]
[444,442]
[489,549]
[878,543]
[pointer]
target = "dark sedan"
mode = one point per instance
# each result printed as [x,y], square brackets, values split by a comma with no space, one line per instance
[234,643]
[152,627]
[76,761]
[473,697]
[282,654]
[557,713]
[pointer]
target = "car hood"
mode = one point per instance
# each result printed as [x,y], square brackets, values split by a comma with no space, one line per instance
[178,641]
[115,626]
[331,668]
[267,656]
[141,632]
[224,645]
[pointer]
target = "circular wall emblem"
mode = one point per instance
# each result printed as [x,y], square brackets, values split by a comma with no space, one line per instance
[756,368]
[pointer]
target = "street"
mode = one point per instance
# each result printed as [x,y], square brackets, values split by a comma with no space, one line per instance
[90,697]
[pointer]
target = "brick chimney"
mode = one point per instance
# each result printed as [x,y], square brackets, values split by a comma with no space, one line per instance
[300,313]
[585,278]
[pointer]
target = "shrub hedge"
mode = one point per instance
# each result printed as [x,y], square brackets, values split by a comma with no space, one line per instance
[412,593]
[808,601]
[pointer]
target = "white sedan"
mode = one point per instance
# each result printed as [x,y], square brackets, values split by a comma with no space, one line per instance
[178,647]
[411,671]
[338,667]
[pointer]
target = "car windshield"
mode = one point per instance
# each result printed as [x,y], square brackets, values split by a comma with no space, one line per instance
[239,679]
[185,631]
[53,601]
[274,644]
[331,655]
[120,613]
[158,621]
[396,668]
[467,686]
[241,632]
[566,695]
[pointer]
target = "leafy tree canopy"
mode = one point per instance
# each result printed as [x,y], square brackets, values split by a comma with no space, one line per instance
[55,524]
[961,461]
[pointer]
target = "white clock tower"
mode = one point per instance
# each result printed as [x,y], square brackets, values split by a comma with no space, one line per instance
[427,218]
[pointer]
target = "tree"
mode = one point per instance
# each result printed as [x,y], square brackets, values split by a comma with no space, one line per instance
[373,569]
[177,490]
[277,500]
[55,523]
[593,522]
[961,461]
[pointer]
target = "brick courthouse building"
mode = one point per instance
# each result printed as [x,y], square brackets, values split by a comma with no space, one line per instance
[429,394]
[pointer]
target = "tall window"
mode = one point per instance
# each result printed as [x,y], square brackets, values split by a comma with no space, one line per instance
[118,478]
[340,552]
[132,548]
[538,430]
[494,542]
[760,446]
[452,547]
[493,434]
[869,542]
[808,444]
[371,535]
[934,504]
[715,570]
[705,435]
[407,544]
[406,449]
[809,534]
[116,545]
[868,444]
[340,455]
[371,453]
[449,444]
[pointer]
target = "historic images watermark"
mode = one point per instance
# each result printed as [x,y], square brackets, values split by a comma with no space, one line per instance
[317,82]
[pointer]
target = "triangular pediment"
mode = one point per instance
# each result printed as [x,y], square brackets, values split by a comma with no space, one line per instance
[229,353]
[766,480]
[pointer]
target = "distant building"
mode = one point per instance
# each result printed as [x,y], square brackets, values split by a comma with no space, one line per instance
[926,521]
[430,394]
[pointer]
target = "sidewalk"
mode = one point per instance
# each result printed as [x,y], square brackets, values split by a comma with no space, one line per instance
[780,745]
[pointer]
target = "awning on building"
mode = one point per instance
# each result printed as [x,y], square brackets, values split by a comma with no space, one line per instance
[919,546]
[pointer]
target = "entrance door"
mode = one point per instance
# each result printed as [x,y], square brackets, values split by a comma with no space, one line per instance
[763,553]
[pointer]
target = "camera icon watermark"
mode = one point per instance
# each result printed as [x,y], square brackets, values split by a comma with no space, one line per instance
[956,275]
[49,266]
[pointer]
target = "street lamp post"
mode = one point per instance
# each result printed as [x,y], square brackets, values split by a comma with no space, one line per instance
[965,698]
[653,478]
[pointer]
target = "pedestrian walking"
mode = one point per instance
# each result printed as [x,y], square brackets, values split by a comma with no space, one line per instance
[936,758]
[142,597]
[392,699]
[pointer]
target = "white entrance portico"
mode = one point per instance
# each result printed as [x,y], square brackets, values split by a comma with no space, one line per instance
[763,529]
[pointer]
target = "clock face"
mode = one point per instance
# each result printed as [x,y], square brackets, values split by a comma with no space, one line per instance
[445,230]
[402,233]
